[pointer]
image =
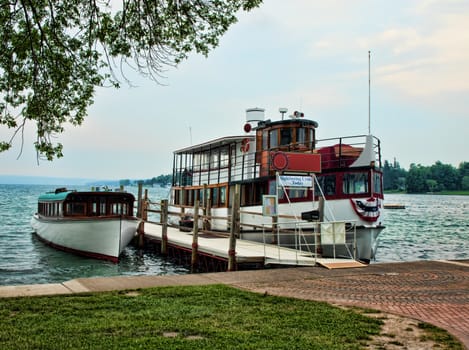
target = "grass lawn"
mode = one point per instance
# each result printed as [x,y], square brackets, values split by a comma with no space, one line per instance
[196,317]
[199,317]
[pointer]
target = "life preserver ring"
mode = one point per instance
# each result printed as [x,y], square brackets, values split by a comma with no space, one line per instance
[245,145]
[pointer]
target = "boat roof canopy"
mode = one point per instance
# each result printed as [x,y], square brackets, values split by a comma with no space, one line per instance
[62,194]
[304,122]
[54,196]
[213,144]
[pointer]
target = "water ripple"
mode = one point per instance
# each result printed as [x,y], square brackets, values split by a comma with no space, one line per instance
[431,227]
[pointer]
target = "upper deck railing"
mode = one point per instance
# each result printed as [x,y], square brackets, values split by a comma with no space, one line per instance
[233,163]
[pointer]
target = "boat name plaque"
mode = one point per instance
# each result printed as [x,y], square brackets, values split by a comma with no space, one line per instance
[296,181]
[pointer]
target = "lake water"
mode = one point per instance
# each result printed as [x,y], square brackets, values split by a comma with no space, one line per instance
[431,227]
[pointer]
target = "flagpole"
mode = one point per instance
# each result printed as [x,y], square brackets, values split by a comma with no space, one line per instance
[369,94]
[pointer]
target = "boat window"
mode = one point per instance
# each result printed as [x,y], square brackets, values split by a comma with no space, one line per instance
[74,209]
[196,160]
[327,183]
[257,191]
[224,157]
[186,177]
[44,209]
[273,138]
[204,160]
[355,183]
[120,209]
[94,208]
[125,209]
[273,187]
[116,209]
[215,197]
[102,207]
[251,194]
[222,196]
[214,160]
[265,139]
[297,193]
[190,197]
[301,136]
[377,183]
[176,195]
[202,196]
[285,136]
[196,195]
[273,190]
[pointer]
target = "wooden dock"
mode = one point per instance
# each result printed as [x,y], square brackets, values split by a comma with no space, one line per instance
[208,251]
[246,252]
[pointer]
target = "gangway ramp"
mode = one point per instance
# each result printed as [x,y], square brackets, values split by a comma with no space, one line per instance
[246,251]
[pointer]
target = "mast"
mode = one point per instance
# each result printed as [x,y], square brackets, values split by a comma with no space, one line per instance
[369,94]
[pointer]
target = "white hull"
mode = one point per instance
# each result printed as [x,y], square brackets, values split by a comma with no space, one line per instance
[102,238]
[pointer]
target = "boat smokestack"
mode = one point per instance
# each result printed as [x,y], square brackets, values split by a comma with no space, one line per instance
[253,116]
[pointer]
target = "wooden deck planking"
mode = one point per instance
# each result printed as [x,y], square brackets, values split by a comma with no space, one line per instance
[246,251]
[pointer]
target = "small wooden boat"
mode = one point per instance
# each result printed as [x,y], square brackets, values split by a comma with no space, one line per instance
[97,224]
[393,206]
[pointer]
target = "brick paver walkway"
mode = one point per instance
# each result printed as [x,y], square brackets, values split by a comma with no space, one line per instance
[433,292]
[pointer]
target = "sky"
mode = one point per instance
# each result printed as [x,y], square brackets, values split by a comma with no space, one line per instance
[305,55]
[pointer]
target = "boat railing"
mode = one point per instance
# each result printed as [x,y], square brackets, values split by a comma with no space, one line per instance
[291,242]
[306,244]
[340,152]
[241,166]
[305,240]
[249,164]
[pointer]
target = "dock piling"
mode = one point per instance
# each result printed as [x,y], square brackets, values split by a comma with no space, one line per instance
[164,230]
[234,229]
[139,201]
[143,207]
[195,237]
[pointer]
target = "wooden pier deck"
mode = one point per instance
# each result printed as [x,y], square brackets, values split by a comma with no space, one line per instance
[247,252]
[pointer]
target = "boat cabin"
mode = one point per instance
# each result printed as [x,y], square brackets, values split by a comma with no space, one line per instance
[344,166]
[63,203]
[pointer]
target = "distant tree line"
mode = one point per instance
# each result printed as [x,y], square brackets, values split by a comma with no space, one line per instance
[161,180]
[421,179]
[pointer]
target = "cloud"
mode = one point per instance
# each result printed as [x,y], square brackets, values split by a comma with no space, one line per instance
[427,62]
